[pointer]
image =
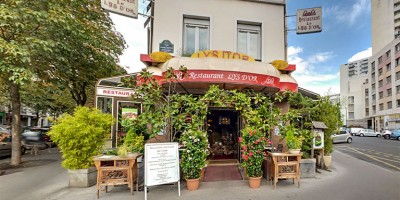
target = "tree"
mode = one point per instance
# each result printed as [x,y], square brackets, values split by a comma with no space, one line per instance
[65,41]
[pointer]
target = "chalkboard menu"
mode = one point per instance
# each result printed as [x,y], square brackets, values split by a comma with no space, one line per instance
[161,163]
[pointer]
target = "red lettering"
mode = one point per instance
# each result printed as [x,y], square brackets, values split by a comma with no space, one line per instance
[207,53]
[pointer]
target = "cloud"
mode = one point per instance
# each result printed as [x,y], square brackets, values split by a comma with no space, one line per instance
[347,15]
[306,74]
[361,55]
[136,39]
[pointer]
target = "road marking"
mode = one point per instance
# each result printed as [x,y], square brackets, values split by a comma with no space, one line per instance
[372,157]
[387,159]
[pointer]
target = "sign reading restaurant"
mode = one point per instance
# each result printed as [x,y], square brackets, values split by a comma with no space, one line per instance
[309,20]
[127,8]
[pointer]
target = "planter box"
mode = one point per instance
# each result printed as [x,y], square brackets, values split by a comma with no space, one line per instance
[328,161]
[307,168]
[82,177]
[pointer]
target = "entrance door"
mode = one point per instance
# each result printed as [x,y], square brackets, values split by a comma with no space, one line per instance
[223,133]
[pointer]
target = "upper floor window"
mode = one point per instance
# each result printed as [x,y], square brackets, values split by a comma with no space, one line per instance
[380,95]
[397,62]
[389,92]
[388,54]
[380,83]
[380,71]
[398,102]
[380,60]
[389,105]
[389,80]
[249,39]
[388,67]
[397,75]
[397,47]
[381,106]
[373,66]
[196,34]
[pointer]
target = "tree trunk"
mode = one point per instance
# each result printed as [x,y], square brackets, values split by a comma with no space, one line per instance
[16,122]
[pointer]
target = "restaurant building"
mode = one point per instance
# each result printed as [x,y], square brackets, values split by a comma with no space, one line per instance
[226,43]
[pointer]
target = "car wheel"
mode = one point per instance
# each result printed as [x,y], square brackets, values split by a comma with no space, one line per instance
[398,138]
[349,140]
[386,137]
[379,135]
[361,135]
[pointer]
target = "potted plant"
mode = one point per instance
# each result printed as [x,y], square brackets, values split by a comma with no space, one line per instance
[80,137]
[252,145]
[294,141]
[194,156]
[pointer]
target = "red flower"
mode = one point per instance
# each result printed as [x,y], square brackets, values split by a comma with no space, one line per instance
[251,154]
[269,141]
[240,139]
[258,151]
[256,142]
[245,157]
[244,148]
[251,134]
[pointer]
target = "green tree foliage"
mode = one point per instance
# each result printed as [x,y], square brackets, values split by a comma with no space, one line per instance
[67,41]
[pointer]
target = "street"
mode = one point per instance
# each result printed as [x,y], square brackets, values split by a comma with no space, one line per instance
[381,152]
[350,178]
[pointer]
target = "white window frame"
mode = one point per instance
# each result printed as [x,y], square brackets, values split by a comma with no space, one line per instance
[249,28]
[197,23]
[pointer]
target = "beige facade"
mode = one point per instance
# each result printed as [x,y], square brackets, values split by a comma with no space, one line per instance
[385,18]
[222,23]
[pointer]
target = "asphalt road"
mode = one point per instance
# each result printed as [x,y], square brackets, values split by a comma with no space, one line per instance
[378,151]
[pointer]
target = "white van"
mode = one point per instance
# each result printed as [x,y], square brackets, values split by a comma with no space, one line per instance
[355,131]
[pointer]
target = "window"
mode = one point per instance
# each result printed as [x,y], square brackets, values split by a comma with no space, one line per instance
[351,99]
[398,89]
[398,102]
[380,94]
[389,92]
[196,35]
[389,80]
[397,75]
[381,106]
[397,47]
[249,39]
[388,67]
[373,66]
[380,71]
[373,75]
[389,105]
[373,109]
[366,93]
[366,111]
[380,83]
[388,54]
[397,62]
[379,60]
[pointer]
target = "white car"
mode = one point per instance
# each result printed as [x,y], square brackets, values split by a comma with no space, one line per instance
[342,136]
[369,132]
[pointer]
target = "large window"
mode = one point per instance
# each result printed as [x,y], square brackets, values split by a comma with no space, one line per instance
[196,36]
[249,39]
[389,80]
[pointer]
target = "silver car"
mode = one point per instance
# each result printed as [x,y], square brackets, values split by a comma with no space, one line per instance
[342,136]
[369,132]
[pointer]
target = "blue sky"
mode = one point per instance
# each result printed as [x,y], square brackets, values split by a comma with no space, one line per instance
[345,36]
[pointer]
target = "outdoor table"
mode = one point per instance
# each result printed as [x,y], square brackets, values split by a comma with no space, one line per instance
[117,170]
[285,165]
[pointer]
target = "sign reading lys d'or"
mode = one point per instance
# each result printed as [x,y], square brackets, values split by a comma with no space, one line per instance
[127,8]
[222,54]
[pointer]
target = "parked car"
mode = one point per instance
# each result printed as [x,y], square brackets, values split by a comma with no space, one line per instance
[36,137]
[369,132]
[395,134]
[342,136]
[355,131]
[5,145]
[386,134]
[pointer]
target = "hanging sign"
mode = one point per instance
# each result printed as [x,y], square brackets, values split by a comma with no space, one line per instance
[161,165]
[309,20]
[127,8]
[318,141]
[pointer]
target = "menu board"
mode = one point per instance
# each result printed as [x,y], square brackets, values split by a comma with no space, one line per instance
[318,141]
[161,163]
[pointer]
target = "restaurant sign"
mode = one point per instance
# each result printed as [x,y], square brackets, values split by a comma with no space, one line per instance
[114,92]
[217,76]
[127,8]
[222,54]
[309,20]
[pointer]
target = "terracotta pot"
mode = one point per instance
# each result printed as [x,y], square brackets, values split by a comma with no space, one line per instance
[254,182]
[192,184]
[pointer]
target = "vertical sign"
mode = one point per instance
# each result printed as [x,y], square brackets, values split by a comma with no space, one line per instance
[128,8]
[161,165]
[309,20]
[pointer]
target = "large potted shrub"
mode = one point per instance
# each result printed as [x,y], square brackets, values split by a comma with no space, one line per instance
[252,144]
[194,156]
[80,137]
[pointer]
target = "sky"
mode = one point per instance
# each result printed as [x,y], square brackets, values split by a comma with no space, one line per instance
[345,37]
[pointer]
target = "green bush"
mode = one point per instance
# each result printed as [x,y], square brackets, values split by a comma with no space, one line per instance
[134,141]
[80,136]
[194,155]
